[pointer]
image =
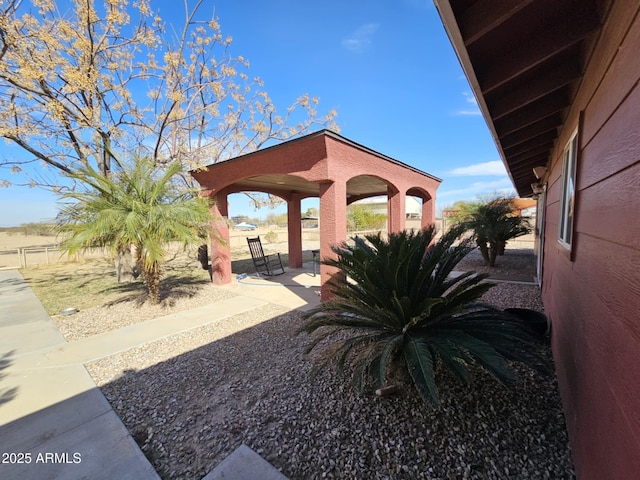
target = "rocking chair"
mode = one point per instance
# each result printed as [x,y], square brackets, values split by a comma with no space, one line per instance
[267,263]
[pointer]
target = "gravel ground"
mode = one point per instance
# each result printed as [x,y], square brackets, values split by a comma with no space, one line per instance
[189,400]
[517,262]
[93,321]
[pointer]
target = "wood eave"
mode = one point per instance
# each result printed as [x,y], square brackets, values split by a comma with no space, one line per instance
[524,60]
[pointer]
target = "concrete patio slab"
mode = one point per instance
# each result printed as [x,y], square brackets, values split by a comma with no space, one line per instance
[53,418]
[297,289]
[36,335]
[41,388]
[100,448]
[244,464]
[23,316]
[18,303]
[36,428]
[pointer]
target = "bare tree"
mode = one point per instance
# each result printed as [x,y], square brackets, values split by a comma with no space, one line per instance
[84,86]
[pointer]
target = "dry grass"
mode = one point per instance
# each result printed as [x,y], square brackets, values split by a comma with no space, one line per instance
[92,282]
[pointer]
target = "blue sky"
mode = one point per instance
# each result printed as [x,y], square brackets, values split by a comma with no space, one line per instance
[386,67]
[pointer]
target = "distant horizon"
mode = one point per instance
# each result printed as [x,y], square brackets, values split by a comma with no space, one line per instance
[265,212]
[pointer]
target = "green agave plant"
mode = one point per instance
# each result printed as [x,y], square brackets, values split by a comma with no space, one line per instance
[401,308]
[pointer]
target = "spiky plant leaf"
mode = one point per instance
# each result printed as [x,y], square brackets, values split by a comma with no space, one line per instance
[419,359]
[400,300]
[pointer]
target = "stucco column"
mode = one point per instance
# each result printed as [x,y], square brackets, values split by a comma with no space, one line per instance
[333,226]
[396,210]
[428,212]
[220,241]
[294,222]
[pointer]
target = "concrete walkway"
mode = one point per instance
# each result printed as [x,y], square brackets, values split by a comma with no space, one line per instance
[56,424]
[49,416]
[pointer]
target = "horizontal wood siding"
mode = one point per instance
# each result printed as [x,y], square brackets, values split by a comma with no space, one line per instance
[596,346]
[594,300]
[607,203]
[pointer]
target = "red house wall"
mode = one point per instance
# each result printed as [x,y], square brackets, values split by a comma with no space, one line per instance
[593,295]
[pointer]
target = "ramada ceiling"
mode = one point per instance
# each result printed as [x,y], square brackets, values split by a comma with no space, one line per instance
[362,186]
[525,60]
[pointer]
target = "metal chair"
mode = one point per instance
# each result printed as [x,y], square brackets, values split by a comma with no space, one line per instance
[267,263]
[315,260]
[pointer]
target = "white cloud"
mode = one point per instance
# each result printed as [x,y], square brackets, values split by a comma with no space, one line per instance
[470,98]
[472,109]
[479,188]
[494,167]
[361,38]
[464,113]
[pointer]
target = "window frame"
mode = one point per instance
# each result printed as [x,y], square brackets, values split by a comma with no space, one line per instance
[566,218]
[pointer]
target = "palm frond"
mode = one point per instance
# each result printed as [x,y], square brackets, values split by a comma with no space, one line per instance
[133,207]
[473,351]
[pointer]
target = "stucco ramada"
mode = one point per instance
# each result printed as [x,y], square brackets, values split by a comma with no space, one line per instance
[325,165]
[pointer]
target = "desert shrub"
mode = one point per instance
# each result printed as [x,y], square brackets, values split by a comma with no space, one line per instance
[360,217]
[271,236]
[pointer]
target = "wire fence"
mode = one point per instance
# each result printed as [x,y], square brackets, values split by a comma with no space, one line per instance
[47,254]
[40,255]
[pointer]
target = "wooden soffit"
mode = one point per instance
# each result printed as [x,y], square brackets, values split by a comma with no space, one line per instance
[524,60]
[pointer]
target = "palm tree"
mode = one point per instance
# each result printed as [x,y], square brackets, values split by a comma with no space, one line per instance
[138,207]
[494,222]
[403,310]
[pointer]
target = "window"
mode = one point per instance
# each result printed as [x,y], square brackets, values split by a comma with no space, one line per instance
[567,200]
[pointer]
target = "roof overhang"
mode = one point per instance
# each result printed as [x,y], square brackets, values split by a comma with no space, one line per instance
[524,60]
[296,166]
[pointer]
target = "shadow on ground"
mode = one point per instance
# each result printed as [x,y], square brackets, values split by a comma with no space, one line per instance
[6,393]
[189,412]
[13,284]
[80,432]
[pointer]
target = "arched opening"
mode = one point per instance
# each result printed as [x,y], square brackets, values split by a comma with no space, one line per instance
[323,165]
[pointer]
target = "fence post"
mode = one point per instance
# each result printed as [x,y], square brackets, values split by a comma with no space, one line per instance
[46,254]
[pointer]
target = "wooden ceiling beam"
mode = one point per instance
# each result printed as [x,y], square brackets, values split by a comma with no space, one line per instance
[531,52]
[525,176]
[553,103]
[532,143]
[533,130]
[536,89]
[529,154]
[544,139]
[523,186]
[485,15]
[525,169]
[525,173]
